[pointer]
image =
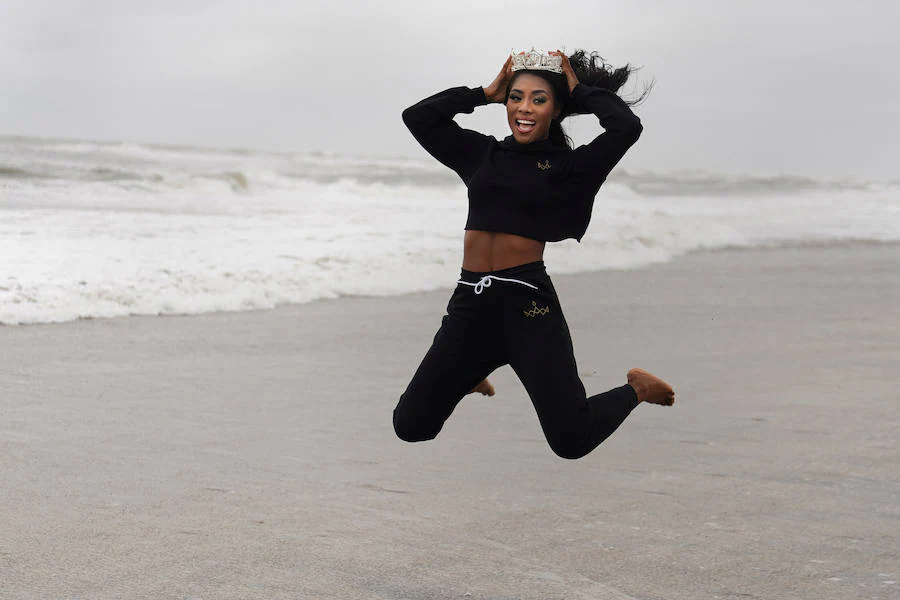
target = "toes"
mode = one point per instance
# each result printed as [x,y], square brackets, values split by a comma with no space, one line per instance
[485,388]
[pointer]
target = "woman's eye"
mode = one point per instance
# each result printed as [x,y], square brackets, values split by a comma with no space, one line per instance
[514,98]
[540,100]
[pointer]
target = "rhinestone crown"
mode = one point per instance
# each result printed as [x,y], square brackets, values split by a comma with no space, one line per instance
[536,60]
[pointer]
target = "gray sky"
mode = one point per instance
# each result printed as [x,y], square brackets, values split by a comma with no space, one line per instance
[793,87]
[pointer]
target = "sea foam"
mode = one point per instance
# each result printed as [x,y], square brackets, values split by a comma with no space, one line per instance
[91,229]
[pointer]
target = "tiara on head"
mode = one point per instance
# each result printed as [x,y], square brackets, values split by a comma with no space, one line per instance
[537,60]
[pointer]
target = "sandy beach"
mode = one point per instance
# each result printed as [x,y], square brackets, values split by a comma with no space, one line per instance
[251,455]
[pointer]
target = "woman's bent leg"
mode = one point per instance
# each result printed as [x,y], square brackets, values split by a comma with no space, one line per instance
[543,358]
[459,358]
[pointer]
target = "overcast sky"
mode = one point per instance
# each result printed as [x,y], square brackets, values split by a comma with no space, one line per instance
[771,87]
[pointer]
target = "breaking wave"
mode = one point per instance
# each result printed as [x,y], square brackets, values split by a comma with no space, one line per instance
[91,229]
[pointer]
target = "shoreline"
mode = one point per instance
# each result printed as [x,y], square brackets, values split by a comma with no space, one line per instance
[724,251]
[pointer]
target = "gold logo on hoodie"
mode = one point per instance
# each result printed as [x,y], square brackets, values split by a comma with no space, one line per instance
[543,166]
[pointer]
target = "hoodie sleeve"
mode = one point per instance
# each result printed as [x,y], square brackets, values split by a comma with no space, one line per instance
[595,160]
[431,123]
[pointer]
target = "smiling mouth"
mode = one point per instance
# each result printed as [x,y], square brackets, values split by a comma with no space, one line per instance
[524,125]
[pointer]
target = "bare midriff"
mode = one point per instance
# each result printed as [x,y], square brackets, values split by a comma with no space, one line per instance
[491,251]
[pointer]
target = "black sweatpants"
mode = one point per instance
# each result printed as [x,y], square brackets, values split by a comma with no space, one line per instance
[520,323]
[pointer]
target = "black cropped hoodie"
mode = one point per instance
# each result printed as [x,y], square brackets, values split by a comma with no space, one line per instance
[538,190]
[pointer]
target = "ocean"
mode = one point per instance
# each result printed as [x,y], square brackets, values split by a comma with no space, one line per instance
[103,229]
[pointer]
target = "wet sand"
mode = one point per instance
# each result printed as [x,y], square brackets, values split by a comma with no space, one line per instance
[251,455]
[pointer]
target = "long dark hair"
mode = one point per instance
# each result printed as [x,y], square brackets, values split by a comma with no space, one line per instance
[592,70]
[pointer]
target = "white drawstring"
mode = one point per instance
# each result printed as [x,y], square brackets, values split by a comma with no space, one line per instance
[485,282]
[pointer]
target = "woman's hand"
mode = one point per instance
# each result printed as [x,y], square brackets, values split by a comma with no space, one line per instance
[567,70]
[496,91]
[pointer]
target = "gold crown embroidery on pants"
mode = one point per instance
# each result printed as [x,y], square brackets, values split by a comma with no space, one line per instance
[536,310]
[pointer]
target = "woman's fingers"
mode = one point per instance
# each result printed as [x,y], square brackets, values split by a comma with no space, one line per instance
[566,65]
[567,70]
[496,90]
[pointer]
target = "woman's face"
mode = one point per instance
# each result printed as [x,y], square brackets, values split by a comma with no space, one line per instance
[530,107]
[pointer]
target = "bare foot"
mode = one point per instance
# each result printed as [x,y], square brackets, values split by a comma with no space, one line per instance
[651,388]
[485,388]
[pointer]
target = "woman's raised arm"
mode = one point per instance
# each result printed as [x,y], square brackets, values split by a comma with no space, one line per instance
[431,123]
[595,160]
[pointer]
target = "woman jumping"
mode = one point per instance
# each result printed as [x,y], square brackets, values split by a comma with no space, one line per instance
[526,190]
